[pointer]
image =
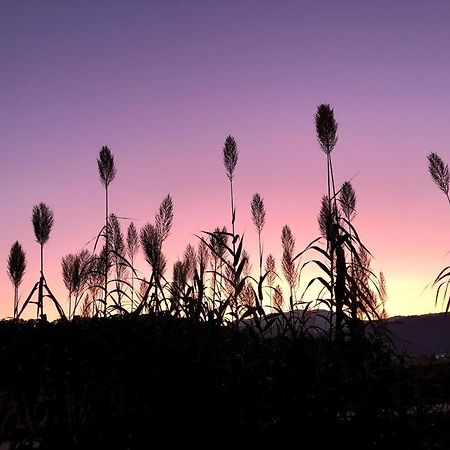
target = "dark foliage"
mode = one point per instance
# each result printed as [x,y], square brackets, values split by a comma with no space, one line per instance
[125,382]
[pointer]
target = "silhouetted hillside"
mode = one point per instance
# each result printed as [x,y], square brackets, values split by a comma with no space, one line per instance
[422,335]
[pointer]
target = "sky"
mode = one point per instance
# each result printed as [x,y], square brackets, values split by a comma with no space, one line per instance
[163,84]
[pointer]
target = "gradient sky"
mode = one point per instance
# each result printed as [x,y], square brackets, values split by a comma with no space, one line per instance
[163,83]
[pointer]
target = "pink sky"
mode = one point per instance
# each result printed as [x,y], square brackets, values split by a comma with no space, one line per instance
[163,85]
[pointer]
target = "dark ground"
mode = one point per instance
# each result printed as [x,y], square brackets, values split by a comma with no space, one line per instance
[127,382]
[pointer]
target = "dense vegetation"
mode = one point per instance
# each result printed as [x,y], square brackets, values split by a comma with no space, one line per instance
[215,350]
[125,381]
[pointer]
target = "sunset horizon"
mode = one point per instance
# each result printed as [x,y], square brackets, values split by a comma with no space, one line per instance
[165,93]
[225,221]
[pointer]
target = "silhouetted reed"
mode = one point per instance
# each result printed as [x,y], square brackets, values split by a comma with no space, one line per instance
[75,273]
[107,172]
[271,274]
[132,249]
[43,220]
[347,200]
[17,265]
[287,263]
[439,173]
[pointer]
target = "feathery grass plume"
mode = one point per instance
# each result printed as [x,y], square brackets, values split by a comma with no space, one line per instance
[247,297]
[382,297]
[270,269]
[230,156]
[151,245]
[70,272]
[190,261]
[132,241]
[361,273]
[287,262]
[258,212]
[164,218]
[259,219]
[326,128]
[327,218]
[439,172]
[218,242]
[43,221]
[106,166]
[75,272]
[179,280]
[17,265]
[347,199]
[117,238]
[203,256]
[278,300]
[118,243]
[326,133]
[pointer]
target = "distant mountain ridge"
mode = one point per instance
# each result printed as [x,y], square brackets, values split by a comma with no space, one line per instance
[424,335]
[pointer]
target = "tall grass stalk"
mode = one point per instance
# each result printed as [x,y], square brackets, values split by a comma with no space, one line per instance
[326,133]
[132,249]
[107,172]
[43,220]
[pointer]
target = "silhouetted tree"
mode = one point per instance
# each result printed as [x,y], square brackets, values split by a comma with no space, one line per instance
[17,265]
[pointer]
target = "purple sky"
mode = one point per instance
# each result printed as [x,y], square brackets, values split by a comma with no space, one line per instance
[163,84]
